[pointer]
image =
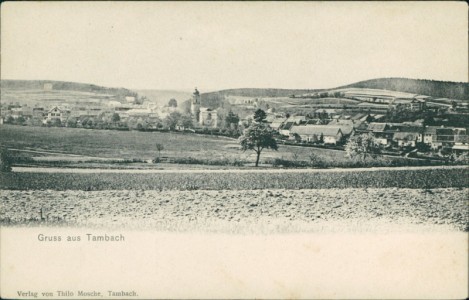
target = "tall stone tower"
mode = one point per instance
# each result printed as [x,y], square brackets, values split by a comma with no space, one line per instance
[195,104]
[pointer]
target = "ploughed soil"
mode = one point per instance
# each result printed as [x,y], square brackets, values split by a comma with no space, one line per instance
[243,211]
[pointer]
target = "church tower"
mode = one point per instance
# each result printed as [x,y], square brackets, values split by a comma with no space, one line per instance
[195,104]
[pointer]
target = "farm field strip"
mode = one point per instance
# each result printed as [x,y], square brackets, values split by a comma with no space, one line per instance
[251,211]
[230,170]
[426,178]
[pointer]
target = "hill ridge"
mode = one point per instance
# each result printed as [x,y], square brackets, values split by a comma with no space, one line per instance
[434,88]
[66,86]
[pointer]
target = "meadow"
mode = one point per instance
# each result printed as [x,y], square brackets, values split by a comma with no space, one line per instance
[129,145]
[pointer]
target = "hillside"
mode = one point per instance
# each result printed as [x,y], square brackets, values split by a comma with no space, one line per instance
[161,97]
[385,86]
[434,88]
[216,99]
[64,86]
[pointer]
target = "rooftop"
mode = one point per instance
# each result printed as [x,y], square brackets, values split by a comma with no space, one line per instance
[316,129]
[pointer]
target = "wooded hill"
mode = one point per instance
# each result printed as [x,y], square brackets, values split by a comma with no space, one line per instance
[434,88]
[65,86]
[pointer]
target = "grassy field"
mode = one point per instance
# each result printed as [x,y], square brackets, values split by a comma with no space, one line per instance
[231,180]
[140,145]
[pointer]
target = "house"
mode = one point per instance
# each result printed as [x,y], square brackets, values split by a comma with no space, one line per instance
[444,137]
[27,111]
[130,99]
[359,117]
[53,114]
[270,118]
[16,112]
[140,112]
[381,132]
[449,137]
[208,117]
[316,122]
[428,135]
[414,104]
[313,133]
[276,123]
[326,113]
[113,103]
[296,119]
[461,142]
[347,126]
[406,139]
[285,129]
[38,112]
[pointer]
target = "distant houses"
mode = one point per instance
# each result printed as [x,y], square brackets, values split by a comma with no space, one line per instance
[321,124]
[318,133]
[333,128]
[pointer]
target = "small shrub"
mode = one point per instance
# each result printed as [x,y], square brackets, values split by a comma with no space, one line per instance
[6,160]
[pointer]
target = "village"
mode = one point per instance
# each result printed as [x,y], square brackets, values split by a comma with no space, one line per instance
[432,126]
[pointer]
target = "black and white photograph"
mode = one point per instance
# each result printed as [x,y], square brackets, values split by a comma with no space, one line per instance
[234,150]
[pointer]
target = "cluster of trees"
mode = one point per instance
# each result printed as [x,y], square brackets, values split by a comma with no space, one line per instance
[18,121]
[362,146]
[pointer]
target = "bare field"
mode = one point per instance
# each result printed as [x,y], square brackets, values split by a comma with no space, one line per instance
[242,211]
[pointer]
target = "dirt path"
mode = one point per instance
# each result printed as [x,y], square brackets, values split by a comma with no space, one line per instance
[64,154]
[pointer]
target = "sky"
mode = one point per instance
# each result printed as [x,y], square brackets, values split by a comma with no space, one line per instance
[181,45]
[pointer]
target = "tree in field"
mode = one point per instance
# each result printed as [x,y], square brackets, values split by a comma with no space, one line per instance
[258,137]
[115,118]
[21,120]
[321,138]
[9,120]
[72,122]
[160,148]
[173,103]
[362,145]
[232,118]
[172,120]
[259,115]
[185,122]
